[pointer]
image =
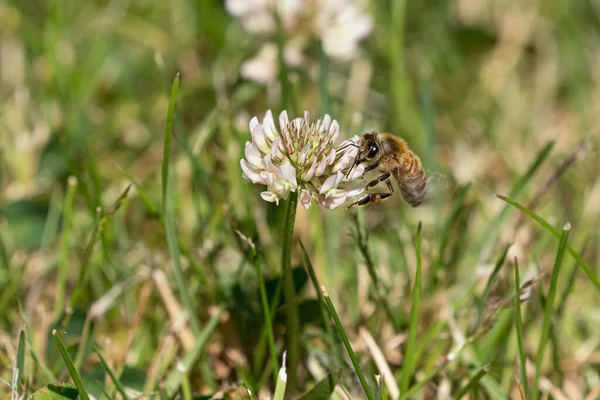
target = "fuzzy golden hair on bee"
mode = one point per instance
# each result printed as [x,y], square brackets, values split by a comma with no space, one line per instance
[391,157]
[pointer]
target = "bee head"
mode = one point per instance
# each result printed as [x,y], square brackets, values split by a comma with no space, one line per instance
[369,147]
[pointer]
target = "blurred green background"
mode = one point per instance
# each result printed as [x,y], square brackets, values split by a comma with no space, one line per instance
[499,96]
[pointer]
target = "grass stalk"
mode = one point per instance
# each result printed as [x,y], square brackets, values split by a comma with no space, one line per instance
[548,311]
[266,310]
[281,381]
[19,367]
[112,374]
[410,359]
[323,307]
[472,382]
[519,327]
[70,366]
[169,215]
[586,268]
[342,333]
[65,246]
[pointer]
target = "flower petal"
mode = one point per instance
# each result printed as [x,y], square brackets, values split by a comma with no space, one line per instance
[276,151]
[334,131]
[253,123]
[305,198]
[259,139]
[250,173]
[321,167]
[253,156]
[330,202]
[270,167]
[288,173]
[283,120]
[308,175]
[331,183]
[356,173]
[302,155]
[270,197]
[269,126]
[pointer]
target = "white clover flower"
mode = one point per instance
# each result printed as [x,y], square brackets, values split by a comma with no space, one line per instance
[339,24]
[301,155]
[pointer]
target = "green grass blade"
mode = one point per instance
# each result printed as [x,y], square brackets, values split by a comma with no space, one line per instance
[173,380]
[169,215]
[65,246]
[315,282]
[342,333]
[519,327]
[491,232]
[265,306]
[586,268]
[410,360]
[380,291]
[38,361]
[281,381]
[72,370]
[548,310]
[323,389]
[472,382]
[419,385]
[457,207]
[167,141]
[112,375]
[19,367]
[490,283]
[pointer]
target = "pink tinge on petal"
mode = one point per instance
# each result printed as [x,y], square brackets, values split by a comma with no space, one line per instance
[308,175]
[342,163]
[330,183]
[269,126]
[253,123]
[355,190]
[326,123]
[331,157]
[270,197]
[288,174]
[330,202]
[302,155]
[334,131]
[276,151]
[268,177]
[269,166]
[321,167]
[250,173]
[283,121]
[259,139]
[305,198]
[253,156]
[356,173]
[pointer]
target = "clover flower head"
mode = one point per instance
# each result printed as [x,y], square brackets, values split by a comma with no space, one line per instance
[301,155]
[338,24]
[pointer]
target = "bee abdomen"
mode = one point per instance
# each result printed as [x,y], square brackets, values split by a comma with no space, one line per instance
[412,182]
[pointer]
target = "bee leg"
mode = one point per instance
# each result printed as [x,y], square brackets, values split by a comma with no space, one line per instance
[381,178]
[374,197]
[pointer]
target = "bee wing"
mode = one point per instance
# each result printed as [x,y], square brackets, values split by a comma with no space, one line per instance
[436,184]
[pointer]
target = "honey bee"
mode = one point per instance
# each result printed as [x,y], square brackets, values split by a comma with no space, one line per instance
[390,155]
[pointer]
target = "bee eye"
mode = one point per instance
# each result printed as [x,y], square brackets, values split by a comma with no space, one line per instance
[372,151]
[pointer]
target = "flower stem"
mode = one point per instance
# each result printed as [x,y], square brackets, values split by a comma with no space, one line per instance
[293,321]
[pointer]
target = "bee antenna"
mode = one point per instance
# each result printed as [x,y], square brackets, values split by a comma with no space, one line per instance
[352,167]
[351,144]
